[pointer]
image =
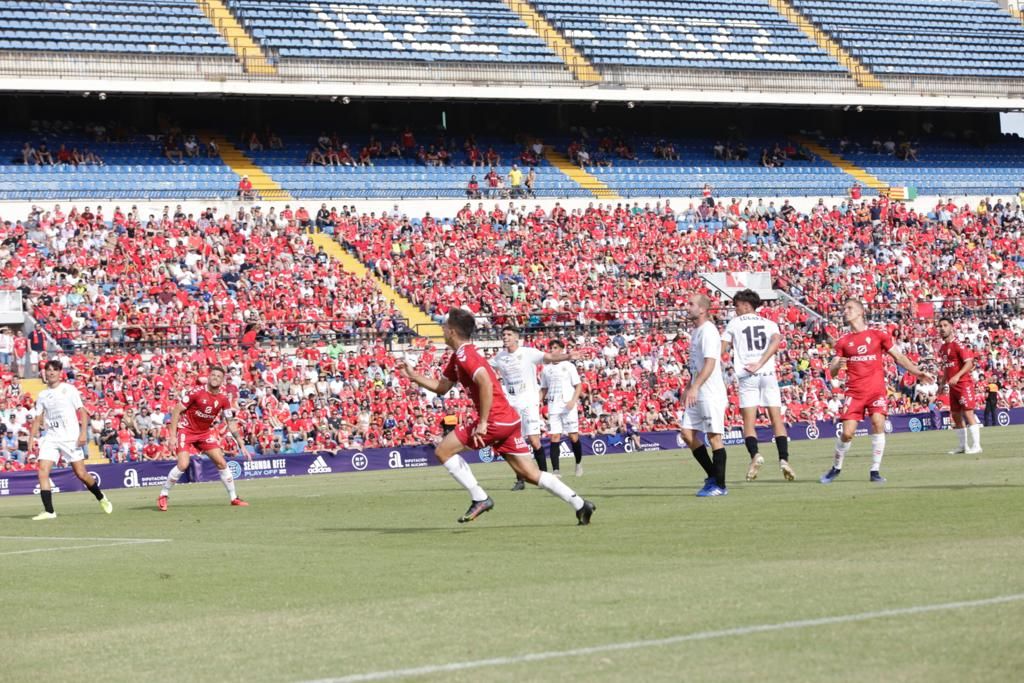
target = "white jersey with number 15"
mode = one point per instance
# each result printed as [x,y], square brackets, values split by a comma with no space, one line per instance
[749,335]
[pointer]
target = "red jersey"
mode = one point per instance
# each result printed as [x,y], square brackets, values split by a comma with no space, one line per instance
[865,366]
[462,368]
[202,408]
[953,355]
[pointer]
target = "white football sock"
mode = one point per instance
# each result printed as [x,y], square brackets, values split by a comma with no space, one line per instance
[975,433]
[557,487]
[172,478]
[461,473]
[229,482]
[877,451]
[962,433]
[842,448]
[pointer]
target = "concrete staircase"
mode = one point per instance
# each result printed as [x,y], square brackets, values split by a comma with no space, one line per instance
[587,181]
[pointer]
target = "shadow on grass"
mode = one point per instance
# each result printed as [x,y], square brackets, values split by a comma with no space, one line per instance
[641,487]
[684,491]
[430,529]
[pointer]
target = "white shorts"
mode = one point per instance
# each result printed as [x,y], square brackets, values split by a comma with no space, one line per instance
[52,450]
[566,422]
[529,416]
[705,416]
[760,391]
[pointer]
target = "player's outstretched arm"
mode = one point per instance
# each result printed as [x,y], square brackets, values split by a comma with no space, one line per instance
[909,365]
[552,357]
[438,386]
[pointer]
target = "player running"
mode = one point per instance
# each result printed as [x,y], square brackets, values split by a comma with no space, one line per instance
[957,364]
[191,426]
[755,341]
[561,387]
[860,353]
[517,365]
[705,399]
[497,424]
[59,406]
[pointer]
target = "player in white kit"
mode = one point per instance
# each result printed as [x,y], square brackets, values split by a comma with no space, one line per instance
[755,341]
[561,387]
[704,399]
[59,408]
[516,366]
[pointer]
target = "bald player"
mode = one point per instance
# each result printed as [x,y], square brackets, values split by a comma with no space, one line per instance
[704,400]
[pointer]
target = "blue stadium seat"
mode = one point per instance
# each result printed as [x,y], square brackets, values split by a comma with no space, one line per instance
[955,38]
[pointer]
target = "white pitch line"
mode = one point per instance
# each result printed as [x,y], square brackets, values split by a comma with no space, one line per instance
[672,640]
[79,538]
[110,544]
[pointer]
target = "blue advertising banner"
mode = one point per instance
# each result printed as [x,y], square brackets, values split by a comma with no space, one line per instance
[154,473]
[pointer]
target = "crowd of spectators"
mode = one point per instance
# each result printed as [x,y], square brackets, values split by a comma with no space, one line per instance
[140,306]
[95,279]
[617,267]
[516,185]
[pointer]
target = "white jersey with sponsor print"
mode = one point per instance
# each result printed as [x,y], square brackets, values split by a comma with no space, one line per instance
[59,408]
[706,342]
[561,380]
[518,373]
[749,335]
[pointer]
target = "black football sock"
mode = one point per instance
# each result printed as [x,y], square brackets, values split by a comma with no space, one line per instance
[782,443]
[701,456]
[47,497]
[538,455]
[95,490]
[577,451]
[719,463]
[751,443]
[554,450]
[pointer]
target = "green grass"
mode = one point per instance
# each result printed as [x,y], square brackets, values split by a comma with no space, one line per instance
[336,575]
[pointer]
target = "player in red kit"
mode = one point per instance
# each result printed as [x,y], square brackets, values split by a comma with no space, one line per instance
[957,364]
[497,424]
[861,353]
[191,427]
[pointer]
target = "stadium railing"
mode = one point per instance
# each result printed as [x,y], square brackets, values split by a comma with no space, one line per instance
[31,64]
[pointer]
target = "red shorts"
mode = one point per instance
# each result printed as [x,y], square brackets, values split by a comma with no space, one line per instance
[962,397]
[857,407]
[200,441]
[503,439]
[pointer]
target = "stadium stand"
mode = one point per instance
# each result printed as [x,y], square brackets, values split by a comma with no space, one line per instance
[646,173]
[710,34]
[304,386]
[402,176]
[941,167]
[139,167]
[165,279]
[88,26]
[460,30]
[159,166]
[954,38]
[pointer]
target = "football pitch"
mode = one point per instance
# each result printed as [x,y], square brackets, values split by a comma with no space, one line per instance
[363,577]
